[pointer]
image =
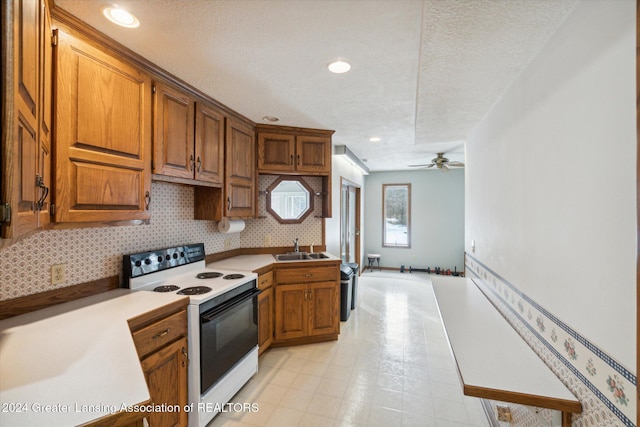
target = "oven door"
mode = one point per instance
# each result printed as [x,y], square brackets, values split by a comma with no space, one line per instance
[227,333]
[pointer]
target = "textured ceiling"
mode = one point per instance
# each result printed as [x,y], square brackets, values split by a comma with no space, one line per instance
[424,72]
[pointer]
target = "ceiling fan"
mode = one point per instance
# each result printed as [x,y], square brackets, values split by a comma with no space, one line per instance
[441,162]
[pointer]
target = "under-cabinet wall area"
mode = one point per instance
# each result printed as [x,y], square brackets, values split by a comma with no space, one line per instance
[267,231]
[94,253]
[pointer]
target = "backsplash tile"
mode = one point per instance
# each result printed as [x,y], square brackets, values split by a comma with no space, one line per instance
[605,388]
[95,253]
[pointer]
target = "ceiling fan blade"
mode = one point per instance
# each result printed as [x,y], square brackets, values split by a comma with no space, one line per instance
[421,166]
[456,164]
[444,168]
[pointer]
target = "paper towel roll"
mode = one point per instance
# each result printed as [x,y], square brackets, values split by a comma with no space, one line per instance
[231,226]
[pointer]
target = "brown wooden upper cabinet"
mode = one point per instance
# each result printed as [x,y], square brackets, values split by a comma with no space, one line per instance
[26,99]
[188,137]
[237,198]
[288,150]
[240,170]
[103,135]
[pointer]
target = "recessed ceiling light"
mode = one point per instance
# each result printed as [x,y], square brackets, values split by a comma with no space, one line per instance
[375,139]
[272,119]
[339,66]
[120,17]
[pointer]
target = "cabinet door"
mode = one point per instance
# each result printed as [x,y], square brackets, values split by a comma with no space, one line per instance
[292,319]
[166,375]
[173,120]
[20,150]
[240,170]
[313,154]
[265,319]
[103,136]
[276,152]
[324,316]
[46,116]
[209,144]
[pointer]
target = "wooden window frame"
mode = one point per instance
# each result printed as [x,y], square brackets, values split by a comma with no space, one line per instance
[385,244]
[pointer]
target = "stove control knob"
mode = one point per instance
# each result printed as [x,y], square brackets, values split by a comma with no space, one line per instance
[147,261]
[160,258]
[175,256]
[138,263]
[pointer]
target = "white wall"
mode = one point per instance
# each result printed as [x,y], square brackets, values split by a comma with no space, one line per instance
[550,180]
[437,219]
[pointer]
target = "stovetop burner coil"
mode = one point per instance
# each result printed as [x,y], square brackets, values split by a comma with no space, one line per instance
[233,276]
[209,275]
[166,288]
[195,290]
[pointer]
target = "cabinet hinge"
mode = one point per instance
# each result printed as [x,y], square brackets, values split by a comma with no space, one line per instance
[54,38]
[153,88]
[5,212]
[52,209]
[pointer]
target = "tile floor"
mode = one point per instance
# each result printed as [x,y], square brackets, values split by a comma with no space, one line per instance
[390,367]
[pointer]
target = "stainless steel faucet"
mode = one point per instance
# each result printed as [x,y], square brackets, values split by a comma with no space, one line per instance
[296,246]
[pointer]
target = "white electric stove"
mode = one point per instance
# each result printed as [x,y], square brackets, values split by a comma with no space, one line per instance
[222,317]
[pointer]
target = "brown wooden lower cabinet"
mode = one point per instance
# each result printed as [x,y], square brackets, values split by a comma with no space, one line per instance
[166,375]
[306,312]
[265,320]
[265,311]
[161,343]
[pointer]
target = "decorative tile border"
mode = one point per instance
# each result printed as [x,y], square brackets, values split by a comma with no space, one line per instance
[605,388]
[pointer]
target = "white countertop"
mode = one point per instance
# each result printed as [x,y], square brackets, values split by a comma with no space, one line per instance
[244,262]
[256,262]
[490,354]
[75,362]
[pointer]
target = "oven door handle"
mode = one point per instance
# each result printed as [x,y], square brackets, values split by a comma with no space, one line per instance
[208,316]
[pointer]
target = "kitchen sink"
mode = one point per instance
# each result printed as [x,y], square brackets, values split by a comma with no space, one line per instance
[317,255]
[299,256]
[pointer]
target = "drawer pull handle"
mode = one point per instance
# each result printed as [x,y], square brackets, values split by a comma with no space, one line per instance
[308,275]
[310,295]
[161,334]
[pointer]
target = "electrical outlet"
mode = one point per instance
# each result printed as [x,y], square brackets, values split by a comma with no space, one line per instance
[267,240]
[58,274]
[227,243]
[504,413]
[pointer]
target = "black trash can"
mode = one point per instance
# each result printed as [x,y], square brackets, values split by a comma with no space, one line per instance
[354,284]
[346,274]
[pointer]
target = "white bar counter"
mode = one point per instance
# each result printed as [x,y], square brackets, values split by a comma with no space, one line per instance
[493,361]
[75,362]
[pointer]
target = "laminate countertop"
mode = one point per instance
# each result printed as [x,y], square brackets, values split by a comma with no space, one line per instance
[75,362]
[494,362]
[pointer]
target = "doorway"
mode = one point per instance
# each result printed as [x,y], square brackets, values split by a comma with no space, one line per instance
[349,221]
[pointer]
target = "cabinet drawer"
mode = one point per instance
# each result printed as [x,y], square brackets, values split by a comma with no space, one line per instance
[161,333]
[306,275]
[265,280]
